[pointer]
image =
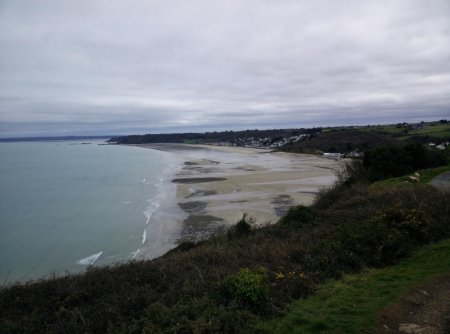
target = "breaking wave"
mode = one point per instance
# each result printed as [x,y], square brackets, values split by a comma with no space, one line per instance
[90,260]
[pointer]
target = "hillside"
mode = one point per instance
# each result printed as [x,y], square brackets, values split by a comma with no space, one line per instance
[341,141]
[231,137]
[312,140]
[234,280]
[414,293]
[365,138]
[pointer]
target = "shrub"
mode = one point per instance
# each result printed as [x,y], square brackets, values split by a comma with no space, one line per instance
[391,161]
[298,216]
[332,197]
[352,172]
[242,229]
[248,288]
[375,242]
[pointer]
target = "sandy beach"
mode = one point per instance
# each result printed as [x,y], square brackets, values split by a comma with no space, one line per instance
[217,185]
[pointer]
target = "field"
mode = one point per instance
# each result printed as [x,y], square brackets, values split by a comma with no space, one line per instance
[403,132]
[438,130]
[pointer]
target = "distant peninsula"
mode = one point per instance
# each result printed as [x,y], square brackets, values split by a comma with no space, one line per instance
[50,138]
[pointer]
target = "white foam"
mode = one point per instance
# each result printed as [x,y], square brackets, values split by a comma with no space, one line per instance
[152,208]
[134,254]
[90,260]
[162,199]
[126,202]
[144,180]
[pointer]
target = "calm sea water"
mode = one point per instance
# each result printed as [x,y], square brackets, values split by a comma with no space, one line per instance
[67,205]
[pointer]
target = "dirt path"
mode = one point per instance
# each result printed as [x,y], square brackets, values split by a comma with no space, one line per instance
[423,310]
[442,181]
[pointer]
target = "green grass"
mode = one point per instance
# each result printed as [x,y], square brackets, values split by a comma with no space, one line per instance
[439,130]
[435,130]
[391,129]
[351,305]
[426,175]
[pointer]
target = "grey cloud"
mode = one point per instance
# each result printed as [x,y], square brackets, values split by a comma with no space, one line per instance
[120,67]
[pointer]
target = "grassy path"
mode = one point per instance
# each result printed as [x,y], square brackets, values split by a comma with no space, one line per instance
[351,305]
[426,176]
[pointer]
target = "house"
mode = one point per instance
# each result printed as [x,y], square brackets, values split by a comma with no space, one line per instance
[336,156]
[355,154]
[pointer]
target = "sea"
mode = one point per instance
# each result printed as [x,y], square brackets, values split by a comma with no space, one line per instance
[68,205]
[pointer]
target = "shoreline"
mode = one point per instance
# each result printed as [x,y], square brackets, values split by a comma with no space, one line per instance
[217,185]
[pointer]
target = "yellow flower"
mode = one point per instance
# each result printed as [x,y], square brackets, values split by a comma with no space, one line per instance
[279,276]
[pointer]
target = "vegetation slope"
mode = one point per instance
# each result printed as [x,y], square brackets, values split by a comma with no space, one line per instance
[365,302]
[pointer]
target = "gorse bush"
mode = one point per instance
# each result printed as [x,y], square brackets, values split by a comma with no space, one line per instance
[248,288]
[368,242]
[393,223]
[242,228]
[411,221]
[299,215]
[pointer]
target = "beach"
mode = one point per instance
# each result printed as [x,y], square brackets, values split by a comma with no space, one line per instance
[217,185]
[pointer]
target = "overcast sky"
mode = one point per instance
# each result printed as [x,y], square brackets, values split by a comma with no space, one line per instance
[138,66]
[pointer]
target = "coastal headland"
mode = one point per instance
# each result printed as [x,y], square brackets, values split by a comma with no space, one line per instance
[217,185]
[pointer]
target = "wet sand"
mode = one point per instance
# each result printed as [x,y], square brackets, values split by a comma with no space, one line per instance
[217,184]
